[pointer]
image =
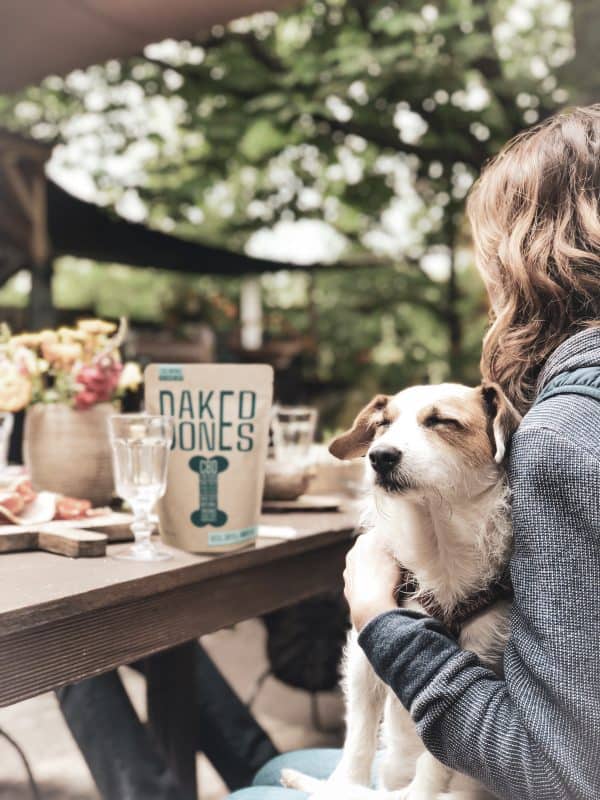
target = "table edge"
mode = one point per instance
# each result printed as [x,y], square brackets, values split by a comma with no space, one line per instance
[28,617]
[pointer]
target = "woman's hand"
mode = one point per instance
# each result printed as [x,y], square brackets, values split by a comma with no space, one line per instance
[370,577]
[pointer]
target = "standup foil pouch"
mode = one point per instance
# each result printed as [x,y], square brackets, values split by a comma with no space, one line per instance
[217,462]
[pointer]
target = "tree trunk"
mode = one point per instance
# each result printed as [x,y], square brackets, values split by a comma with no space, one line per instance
[583,73]
[453,322]
[41,312]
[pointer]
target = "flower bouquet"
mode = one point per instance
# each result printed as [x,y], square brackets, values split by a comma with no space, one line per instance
[78,366]
[69,380]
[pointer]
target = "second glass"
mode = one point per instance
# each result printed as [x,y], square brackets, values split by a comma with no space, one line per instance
[293,434]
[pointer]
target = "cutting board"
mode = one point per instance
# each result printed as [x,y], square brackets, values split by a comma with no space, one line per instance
[77,538]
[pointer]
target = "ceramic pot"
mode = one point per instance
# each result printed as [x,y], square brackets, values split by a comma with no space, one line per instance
[68,451]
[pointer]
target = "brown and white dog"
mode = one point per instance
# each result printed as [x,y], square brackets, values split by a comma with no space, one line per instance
[438,497]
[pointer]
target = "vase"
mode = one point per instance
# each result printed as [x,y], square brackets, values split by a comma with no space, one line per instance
[67,451]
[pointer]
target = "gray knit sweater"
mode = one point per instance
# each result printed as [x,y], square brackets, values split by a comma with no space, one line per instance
[536,734]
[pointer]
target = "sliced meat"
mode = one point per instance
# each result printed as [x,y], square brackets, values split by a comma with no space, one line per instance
[71,508]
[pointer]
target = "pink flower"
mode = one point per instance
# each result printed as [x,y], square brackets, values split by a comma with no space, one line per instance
[85,399]
[98,381]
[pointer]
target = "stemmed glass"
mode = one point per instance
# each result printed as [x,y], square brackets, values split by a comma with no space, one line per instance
[140,448]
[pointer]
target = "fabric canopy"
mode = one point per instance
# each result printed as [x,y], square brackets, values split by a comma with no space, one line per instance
[38,39]
[83,229]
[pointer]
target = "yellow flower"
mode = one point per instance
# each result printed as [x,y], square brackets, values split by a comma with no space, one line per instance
[47,336]
[15,388]
[97,327]
[62,354]
[70,335]
[26,340]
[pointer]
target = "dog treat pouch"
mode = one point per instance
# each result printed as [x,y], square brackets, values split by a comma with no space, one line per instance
[217,463]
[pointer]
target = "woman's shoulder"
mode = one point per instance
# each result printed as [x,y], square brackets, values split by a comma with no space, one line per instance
[554,475]
[564,425]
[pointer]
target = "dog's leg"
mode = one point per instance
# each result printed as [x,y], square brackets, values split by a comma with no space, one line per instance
[403,746]
[461,787]
[365,698]
[431,779]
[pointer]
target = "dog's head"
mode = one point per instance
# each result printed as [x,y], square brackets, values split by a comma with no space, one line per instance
[446,439]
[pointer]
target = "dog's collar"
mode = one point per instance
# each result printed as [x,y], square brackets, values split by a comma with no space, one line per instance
[455,618]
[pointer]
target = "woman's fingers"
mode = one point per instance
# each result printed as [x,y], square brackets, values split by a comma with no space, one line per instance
[370,578]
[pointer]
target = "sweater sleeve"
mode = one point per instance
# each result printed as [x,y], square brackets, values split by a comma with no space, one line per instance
[535,735]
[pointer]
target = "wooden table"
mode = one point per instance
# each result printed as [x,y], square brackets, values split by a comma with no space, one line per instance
[63,620]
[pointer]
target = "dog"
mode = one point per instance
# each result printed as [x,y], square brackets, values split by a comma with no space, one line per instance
[438,497]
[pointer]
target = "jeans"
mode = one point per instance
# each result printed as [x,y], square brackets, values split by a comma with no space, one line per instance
[266,786]
[122,759]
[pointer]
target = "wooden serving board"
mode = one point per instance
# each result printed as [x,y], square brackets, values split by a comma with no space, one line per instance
[76,538]
[306,502]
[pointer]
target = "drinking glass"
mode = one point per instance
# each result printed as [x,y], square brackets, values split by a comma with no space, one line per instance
[293,434]
[6,426]
[140,448]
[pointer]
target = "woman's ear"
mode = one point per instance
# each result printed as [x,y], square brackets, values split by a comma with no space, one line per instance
[355,442]
[503,418]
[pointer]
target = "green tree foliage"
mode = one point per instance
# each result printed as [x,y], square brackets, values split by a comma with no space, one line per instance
[371,117]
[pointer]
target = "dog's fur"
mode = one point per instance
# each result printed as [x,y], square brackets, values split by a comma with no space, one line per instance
[443,512]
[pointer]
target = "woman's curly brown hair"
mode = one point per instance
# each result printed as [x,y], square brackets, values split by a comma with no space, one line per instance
[536,225]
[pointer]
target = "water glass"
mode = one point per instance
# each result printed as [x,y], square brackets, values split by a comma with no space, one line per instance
[293,434]
[140,447]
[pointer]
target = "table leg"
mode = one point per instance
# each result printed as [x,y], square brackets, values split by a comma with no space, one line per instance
[172,712]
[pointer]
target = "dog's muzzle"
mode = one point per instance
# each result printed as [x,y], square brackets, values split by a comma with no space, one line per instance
[384,459]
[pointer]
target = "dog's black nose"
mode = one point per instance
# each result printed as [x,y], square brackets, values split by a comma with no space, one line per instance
[384,458]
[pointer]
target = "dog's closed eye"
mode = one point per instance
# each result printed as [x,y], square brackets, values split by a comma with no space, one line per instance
[436,421]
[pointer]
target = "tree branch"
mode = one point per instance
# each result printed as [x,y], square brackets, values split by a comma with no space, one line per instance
[191,74]
[260,53]
[389,139]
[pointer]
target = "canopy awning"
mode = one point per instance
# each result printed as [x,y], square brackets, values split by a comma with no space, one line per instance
[86,230]
[39,220]
[38,39]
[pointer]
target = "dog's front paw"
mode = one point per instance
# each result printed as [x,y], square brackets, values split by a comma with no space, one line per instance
[418,793]
[320,790]
[292,779]
[411,792]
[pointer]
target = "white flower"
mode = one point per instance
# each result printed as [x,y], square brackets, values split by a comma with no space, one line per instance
[131,376]
[26,360]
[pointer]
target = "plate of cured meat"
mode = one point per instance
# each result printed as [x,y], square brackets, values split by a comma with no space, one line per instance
[21,505]
[70,526]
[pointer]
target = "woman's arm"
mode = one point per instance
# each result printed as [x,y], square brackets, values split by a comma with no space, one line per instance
[536,734]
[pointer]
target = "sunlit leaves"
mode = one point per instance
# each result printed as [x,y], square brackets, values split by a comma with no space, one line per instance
[368,117]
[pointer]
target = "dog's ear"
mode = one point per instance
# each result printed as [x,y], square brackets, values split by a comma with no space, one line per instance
[503,418]
[356,441]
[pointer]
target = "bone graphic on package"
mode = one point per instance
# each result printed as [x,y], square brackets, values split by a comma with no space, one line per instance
[208,511]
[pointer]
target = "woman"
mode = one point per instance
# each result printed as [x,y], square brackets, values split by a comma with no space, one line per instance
[534,735]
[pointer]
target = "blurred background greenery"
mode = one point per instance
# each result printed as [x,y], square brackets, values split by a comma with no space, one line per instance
[340,134]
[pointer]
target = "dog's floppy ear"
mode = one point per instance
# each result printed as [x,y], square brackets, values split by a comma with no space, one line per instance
[356,441]
[503,418]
